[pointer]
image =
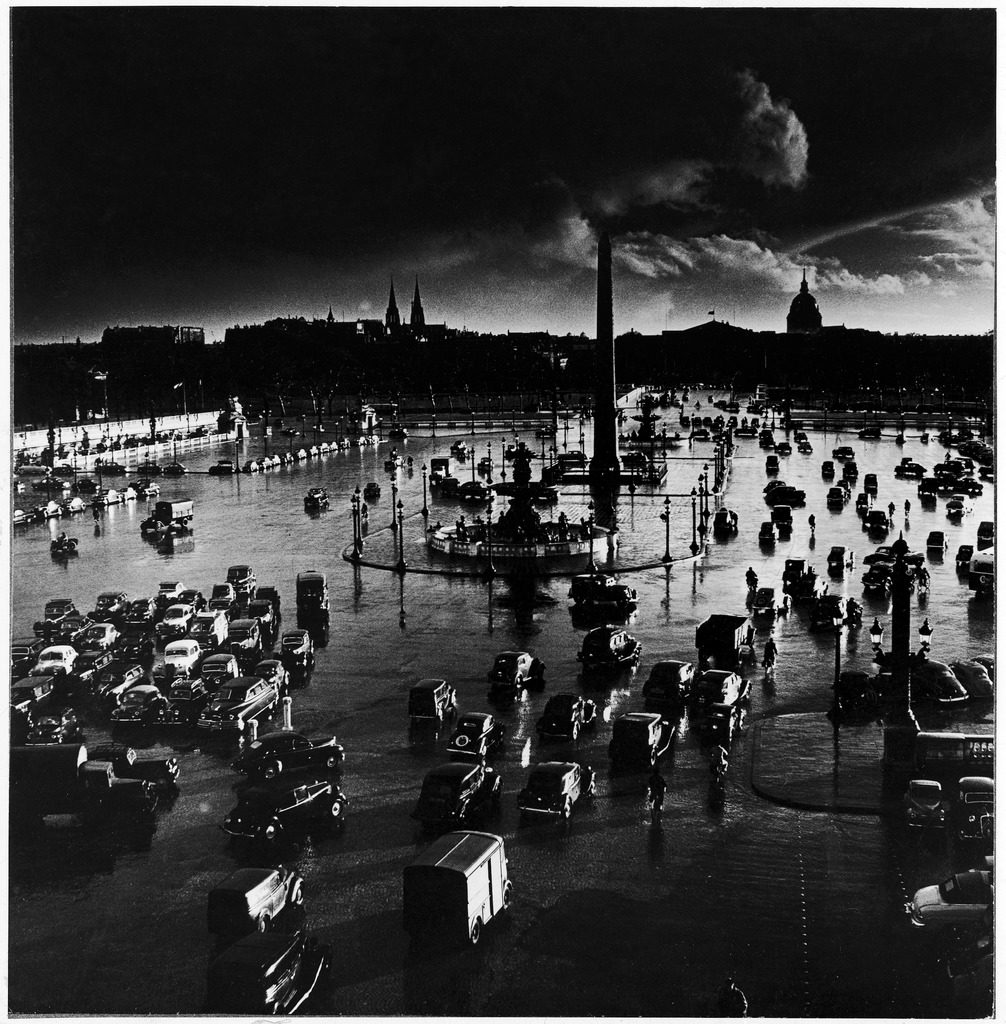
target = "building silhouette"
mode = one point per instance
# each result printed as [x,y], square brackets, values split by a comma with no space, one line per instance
[804,316]
[392,318]
[417,321]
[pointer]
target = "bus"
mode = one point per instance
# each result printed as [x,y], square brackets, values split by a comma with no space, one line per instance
[954,752]
[981,571]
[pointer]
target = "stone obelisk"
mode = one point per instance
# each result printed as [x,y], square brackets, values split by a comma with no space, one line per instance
[604,464]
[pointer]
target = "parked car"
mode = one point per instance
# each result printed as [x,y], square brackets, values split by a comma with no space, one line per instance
[186,700]
[209,629]
[476,736]
[565,716]
[454,793]
[116,679]
[51,722]
[286,807]
[251,899]
[136,642]
[181,658]
[266,975]
[101,636]
[639,738]
[245,641]
[243,579]
[272,595]
[168,593]
[963,899]
[513,672]
[272,671]
[609,649]
[297,651]
[177,620]
[111,606]
[432,699]
[27,692]
[669,686]
[192,597]
[141,705]
[263,612]
[219,669]
[974,677]
[161,772]
[718,686]
[923,804]
[975,811]
[83,680]
[238,702]
[53,660]
[934,681]
[24,652]
[55,611]
[455,887]
[555,787]
[767,603]
[223,598]
[278,752]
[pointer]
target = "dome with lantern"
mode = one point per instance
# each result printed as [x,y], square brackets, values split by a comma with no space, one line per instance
[804,316]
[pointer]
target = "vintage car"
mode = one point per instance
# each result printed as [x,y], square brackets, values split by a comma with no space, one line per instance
[974,677]
[111,606]
[193,597]
[601,591]
[877,580]
[669,686]
[141,705]
[267,622]
[186,700]
[53,660]
[840,559]
[296,651]
[719,723]
[828,470]
[223,467]
[372,491]
[251,899]
[877,521]
[766,602]
[828,609]
[177,621]
[771,463]
[934,681]
[454,793]
[272,671]
[725,523]
[474,491]
[767,533]
[101,636]
[609,649]
[86,669]
[883,554]
[174,469]
[223,598]
[565,716]
[53,723]
[218,669]
[209,629]
[142,610]
[836,499]
[278,752]
[555,787]
[24,652]
[27,692]
[974,814]
[805,448]
[476,736]
[267,975]
[965,552]
[238,702]
[316,500]
[719,686]
[136,642]
[936,541]
[244,638]
[963,899]
[986,534]
[923,803]
[801,582]
[639,738]
[181,658]
[169,592]
[270,594]
[242,578]
[512,673]
[160,771]
[55,612]
[432,700]
[116,679]
[864,503]
[286,807]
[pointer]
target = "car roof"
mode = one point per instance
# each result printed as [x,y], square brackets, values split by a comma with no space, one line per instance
[461,851]
[219,659]
[458,770]
[553,769]
[639,716]
[429,684]
[244,623]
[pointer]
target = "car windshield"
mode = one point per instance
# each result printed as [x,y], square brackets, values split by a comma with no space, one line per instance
[136,697]
[52,656]
[292,642]
[106,601]
[176,613]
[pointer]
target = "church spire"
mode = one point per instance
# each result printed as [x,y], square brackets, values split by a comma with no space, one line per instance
[392,317]
[418,318]
[331,315]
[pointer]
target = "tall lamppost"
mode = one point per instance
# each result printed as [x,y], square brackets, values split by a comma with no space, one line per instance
[503,460]
[490,568]
[694,546]
[590,531]
[702,510]
[489,464]
[565,431]
[705,481]
[838,621]
[394,498]
[426,509]
[357,525]
[666,516]
[581,433]
[400,567]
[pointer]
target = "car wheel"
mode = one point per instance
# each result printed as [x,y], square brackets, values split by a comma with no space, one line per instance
[264,923]
[335,811]
[332,761]
[507,895]
[297,896]
[272,769]
[567,809]
[476,932]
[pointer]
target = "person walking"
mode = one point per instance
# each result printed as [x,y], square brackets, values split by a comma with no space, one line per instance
[908,508]
[771,653]
[656,787]
[812,522]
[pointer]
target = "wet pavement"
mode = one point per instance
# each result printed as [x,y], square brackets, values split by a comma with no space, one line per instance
[612,915]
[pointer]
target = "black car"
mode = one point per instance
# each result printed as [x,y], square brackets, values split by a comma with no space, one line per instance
[186,700]
[270,594]
[454,793]
[24,652]
[296,651]
[160,771]
[476,737]
[565,716]
[141,705]
[136,642]
[86,671]
[53,723]
[264,612]
[285,808]
[116,678]
[142,610]
[609,649]
[194,598]
[639,738]
[277,752]
[111,606]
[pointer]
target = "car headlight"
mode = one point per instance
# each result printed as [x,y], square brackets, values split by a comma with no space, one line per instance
[270,832]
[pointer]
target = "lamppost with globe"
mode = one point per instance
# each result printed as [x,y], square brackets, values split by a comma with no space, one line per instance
[426,508]
[666,517]
[590,532]
[694,546]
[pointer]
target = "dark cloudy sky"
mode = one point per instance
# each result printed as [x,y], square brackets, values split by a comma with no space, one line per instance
[221,166]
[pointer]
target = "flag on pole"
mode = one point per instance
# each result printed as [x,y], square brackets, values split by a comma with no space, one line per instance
[711,312]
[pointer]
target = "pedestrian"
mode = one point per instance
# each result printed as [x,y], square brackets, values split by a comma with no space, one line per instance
[771,653]
[812,522]
[96,513]
[656,786]
[732,1001]
[908,507]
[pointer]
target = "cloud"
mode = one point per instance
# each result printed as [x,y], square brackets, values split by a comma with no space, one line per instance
[678,183]
[773,142]
[960,236]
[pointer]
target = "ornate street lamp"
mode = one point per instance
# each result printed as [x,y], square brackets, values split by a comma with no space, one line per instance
[426,510]
[876,634]
[590,530]
[357,525]
[702,517]
[490,568]
[666,517]
[926,635]
[694,547]
[489,468]
[401,539]
[394,498]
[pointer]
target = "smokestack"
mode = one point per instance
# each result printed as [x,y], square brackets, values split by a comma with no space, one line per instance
[604,465]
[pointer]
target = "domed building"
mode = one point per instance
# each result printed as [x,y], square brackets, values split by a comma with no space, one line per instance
[804,316]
